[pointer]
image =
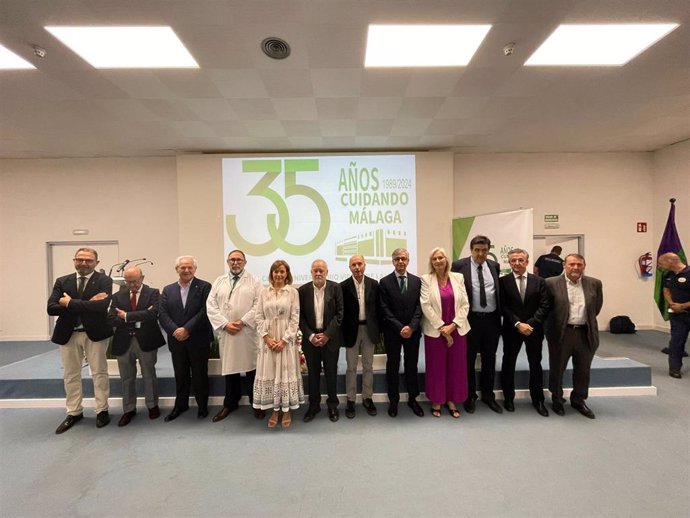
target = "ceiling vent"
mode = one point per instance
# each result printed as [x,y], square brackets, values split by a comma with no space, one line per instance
[275,48]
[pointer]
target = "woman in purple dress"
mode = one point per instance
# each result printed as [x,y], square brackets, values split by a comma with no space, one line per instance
[445,306]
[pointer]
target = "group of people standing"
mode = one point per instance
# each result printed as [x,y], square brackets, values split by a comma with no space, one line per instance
[462,308]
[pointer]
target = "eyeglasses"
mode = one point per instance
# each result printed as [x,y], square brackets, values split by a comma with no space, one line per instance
[80,260]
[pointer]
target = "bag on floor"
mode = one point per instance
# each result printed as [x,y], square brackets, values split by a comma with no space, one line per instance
[621,325]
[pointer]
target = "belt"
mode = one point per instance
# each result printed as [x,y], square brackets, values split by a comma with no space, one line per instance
[576,326]
[319,330]
[483,313]
[362,322]
[79,330]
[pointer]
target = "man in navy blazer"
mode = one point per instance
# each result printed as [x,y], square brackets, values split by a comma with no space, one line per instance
[361,332]
[134,315]
[481,282]
[320,316]
[80,301]
[525,306]
[401,315]
[182,314]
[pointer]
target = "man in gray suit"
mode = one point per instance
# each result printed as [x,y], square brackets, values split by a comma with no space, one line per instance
[320,317]
[572,331]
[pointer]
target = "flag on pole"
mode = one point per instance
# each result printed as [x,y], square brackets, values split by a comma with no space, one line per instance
[670,242]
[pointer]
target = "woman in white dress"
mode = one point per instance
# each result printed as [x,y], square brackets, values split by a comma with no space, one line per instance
[278,383]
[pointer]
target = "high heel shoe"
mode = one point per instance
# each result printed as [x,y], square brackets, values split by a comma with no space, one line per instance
[436,412]
[273,420]
[454,412]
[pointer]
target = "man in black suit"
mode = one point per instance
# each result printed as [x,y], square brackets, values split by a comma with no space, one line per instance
[481,282]
[182,313]
[80,301]
[401,315]
[360,333]
[524,305]
[320,316]
[572,331]
[134,315]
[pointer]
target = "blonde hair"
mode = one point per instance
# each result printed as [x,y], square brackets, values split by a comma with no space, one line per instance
[435,251]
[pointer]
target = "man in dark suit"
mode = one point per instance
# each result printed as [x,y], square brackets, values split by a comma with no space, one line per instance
[320,316]
[182,313]
[481,282]
[524,305]
[572,331]
[134,315]
[80,301]
[401,315]
[360,333]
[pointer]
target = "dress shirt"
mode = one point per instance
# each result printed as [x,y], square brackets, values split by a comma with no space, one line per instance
[319,296]
[576,298]
[184,291]
[489,288]
[136,324]
[359,286]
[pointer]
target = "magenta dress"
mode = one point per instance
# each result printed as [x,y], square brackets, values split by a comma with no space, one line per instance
[446,367]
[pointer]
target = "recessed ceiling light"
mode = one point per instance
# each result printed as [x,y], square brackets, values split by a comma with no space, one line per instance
[423,45]
[126,47]
[598,45]
[10,61]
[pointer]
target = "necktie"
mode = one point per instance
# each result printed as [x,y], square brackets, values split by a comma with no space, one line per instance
[133,300]
[80,287]
[521,278]
[403,285]
[482,288]
[234,283]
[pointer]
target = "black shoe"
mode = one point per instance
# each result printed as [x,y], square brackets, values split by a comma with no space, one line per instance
[202,413]
[491,403]
[311,413]
[583,409]
[68,423]
[175,413]
[675,374]
[412,403]
[259,414]
[126,418]
[508,405]
[393,409]
[102,419]
[369,406]
[333,414]
[224,412]
[558,408]
[470,405]
[350,410]
[541,408]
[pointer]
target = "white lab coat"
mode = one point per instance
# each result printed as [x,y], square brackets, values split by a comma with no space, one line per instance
[237,352]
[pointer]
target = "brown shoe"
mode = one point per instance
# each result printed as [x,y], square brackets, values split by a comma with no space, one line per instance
[154,412]
[126,418]
[259,414]
[224,412]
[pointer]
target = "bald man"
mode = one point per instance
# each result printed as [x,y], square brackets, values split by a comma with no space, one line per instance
[320,317]
[360,333]
[676,284]
[134,315]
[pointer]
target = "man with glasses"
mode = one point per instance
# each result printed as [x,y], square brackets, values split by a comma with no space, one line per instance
[230,308]
[134,315]
[80,301]
[401,314]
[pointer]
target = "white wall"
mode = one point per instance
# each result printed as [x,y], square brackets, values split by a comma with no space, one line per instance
[163,207]
[599,195]
[133,201]
[671,178]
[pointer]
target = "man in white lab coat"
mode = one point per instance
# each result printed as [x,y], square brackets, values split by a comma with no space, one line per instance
[230,308]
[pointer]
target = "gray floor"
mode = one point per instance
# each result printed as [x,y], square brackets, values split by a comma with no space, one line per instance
[633,460]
